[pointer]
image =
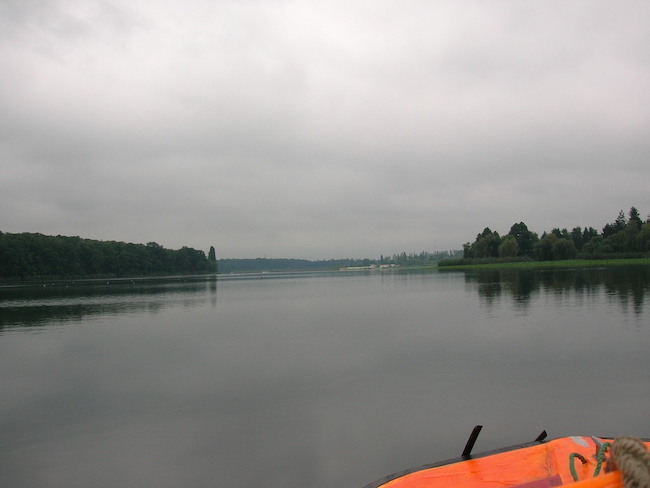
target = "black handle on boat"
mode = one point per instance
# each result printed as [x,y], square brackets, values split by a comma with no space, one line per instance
[470,442]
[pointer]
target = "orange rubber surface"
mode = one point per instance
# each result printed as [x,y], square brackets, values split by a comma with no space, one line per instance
[542,465]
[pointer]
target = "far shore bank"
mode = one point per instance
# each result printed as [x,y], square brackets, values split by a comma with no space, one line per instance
[569,263]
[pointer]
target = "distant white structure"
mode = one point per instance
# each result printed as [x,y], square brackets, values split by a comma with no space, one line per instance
[370,267]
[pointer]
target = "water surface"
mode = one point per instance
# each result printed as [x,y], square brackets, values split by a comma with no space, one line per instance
[319,380]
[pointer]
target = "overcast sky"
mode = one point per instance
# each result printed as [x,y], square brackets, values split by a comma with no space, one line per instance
[321,129]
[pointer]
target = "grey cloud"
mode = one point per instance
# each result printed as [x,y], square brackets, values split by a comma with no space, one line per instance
[320,130]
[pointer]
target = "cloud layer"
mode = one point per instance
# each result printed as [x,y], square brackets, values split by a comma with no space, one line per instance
[320,129]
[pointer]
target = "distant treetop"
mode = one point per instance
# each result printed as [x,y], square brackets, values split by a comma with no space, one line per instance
[625,237]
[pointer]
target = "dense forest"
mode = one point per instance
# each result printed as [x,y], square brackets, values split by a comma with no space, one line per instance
[31,255]
[626,237]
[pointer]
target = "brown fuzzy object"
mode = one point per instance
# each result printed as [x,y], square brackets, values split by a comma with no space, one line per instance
[632,458]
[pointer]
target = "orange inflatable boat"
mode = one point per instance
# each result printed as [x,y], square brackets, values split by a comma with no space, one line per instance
[582,462]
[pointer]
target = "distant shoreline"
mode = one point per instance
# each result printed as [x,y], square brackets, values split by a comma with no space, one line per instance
[569,263]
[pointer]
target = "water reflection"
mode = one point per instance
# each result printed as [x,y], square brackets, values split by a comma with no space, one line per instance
[334,380]
[48,303]
[626,286]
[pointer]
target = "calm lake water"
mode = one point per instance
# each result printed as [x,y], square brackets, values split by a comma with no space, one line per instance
[327,380]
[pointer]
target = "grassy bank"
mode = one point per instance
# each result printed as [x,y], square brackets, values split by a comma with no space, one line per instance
[569,263]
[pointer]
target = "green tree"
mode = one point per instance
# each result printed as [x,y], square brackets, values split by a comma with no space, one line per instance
[608,230]
[634,217]
[593,246]
[212,260]
[509,247]
[617,226]
[631,231]
[589,234]
[563,249]
[524,237]
[643,238]
[562,234]
[486,245]
[620,222]
[544,247]
[615,243]
[577,237]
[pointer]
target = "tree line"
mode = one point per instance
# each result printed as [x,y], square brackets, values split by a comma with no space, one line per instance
[423,258]
[33,255]
[253,265]
[626,237]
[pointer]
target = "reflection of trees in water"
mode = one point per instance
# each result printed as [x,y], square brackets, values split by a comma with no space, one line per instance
[493,284]
[629,288]
[43,315]
[489,287]
[45,305]
[625,285]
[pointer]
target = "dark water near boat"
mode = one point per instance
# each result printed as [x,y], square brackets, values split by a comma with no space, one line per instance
[328,380]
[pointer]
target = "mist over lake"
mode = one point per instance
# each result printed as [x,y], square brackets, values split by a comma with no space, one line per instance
[317,379]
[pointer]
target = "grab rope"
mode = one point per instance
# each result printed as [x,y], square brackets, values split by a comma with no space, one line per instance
[631,457]
[600,457]
[572,466]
